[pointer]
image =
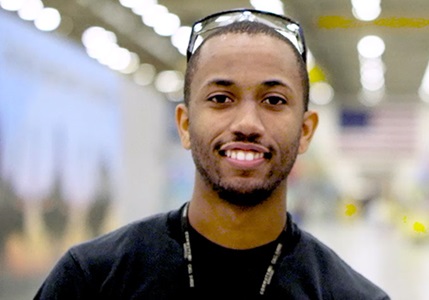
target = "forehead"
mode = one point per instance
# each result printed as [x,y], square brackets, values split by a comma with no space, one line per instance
[223,38]
[241,54]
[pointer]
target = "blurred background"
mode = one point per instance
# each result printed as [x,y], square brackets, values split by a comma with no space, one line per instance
[88,142]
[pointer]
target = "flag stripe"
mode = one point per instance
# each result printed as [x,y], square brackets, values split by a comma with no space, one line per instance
[385,129]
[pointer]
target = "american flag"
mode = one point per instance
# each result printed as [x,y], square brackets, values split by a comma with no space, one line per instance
[380,131]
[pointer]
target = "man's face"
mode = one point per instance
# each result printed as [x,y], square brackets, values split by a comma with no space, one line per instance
[245,123]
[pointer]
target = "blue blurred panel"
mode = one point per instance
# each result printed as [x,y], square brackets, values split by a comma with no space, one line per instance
[354,118]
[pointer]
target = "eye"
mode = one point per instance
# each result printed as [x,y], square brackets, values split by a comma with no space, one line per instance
[274,100]
[221,99]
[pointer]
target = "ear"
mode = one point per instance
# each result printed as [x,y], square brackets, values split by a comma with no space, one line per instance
[182,123]
[309,125]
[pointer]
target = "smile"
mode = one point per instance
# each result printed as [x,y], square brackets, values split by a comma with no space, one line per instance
[244,155]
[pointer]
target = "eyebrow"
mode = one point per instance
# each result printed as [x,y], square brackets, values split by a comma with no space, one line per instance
[273,83]
[268,83]
[221,82]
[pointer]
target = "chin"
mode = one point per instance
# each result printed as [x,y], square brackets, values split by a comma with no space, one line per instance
[244,198]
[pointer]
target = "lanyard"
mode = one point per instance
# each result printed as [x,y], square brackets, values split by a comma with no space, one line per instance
[188,254]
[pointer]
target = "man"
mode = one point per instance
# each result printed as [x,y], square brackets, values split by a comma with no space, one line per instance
[245,120]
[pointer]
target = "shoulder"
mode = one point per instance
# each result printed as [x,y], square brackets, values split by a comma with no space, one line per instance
[142,230]
[135,241]
[323,274]
[129,254]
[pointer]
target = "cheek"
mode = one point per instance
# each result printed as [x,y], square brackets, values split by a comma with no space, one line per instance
[199,136]
[205,128]
[287,136]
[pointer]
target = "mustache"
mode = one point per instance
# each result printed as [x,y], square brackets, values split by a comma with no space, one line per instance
[244,138]
[247,138]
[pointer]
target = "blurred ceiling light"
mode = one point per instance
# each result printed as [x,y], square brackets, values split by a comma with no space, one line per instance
[175,96]
[141,6]
[96,38]
[180,39]
[371,98]
[103,54]
[274,6]
[424,95]
[48,19]
[153,13]
[367,14]
[372,74]
[129,3]
[424,86]
[371,46]
[366,10]
[30,10]
[368,64]
[372,69]
[133,64]
[169,81]
[372,84]
[119,59]
[12,5]
[144,75]
[311,62]
[321,93]
[101,45]
[167,24]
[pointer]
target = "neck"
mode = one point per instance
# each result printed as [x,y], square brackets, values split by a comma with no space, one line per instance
[237,227]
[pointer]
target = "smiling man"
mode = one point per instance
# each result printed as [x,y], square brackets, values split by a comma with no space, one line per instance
[245,120]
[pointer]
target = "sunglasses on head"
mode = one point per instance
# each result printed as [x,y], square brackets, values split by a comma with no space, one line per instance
[287,27]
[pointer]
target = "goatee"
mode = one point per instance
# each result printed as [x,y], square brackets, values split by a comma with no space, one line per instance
[249,199]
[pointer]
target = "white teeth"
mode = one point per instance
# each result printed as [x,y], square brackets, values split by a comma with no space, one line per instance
[243,155]
[250,156]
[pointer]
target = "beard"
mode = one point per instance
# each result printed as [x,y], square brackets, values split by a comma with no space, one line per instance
[243,192]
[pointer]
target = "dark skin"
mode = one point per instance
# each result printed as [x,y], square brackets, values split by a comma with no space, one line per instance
[245,125]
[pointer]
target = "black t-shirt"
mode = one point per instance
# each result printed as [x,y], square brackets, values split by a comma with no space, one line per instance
[229,273]
[145,260]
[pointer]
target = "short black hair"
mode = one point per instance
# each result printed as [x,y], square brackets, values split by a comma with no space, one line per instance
[250,28]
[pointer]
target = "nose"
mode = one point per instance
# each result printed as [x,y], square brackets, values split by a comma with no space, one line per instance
[247,120]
